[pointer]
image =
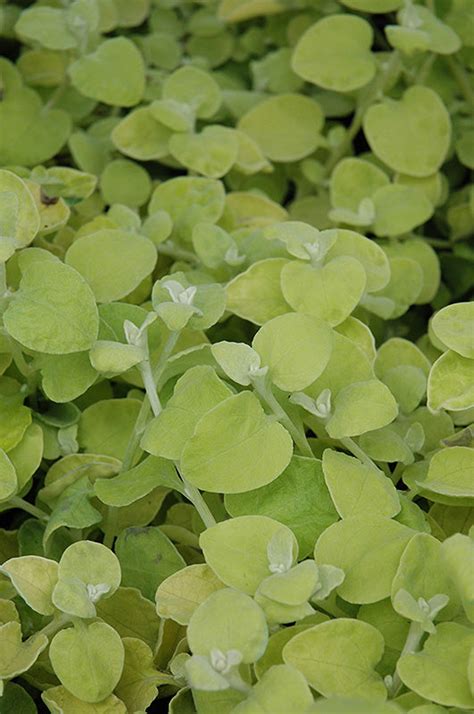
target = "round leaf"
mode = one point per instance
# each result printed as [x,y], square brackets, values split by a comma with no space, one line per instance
[88,660]
[221,456]
[228,620]
[113,262]
[54,310]
[286,127]
[335,53]
[113,74]
[295,347]
[411,135]
[329,656]
[368,550]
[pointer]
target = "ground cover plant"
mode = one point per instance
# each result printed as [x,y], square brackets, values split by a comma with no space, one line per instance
[236,356]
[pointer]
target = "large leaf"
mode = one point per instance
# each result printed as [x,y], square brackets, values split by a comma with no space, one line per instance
[221,456]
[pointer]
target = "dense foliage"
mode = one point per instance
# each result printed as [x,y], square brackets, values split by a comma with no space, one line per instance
[236,356]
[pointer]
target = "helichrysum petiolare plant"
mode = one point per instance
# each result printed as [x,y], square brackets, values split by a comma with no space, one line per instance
[236,356]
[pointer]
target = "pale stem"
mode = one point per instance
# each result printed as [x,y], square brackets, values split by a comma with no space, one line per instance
[144,412]
[272,403]
[355,449]
[149,381]
[412,643]
[56,624]
[17,502]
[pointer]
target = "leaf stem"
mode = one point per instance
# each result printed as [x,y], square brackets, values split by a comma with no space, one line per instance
[17,502]
[144,412]
[267,396]
[412,643]
[195,496]
[149,381]
[355,449]
[56,624]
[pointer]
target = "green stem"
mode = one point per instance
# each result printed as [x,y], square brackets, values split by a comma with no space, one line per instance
[355,449]
[55,96]
[425,69]
[17,502]
[412,643]
[267,396]
[196,498]
[172,251]
[463,80]
[391,70]
[56,624]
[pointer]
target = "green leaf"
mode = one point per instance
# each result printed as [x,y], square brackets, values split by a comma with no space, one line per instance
[439,672]
[24,223]
[54,310]
[450,473]
[458,556]
[92,563]
[73,509]
[34,579]
[399,209]
[59,701]
[88,660]
[330,292]
[147,557]
[195,394]
[113,262]
[348,364]
[137,686]
[106,426]
[237,359]
[180,594]
[113,74]
[368,550]
[454,326]
[411,135]
[195,87]
[228,620]
[141,136]
[335,53]
[129,486]
[237,550]
[47,26]
[421,573]
[339,658]
[114,357]
[352,415]
[256,294]
[220,456]
[66,377]
[450,384]
[296,348]
[357,489]
[285,127]
[17,656]
[299,499]
[280,690]
[132,615]
[189,200]
[8,477]
[211,153]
